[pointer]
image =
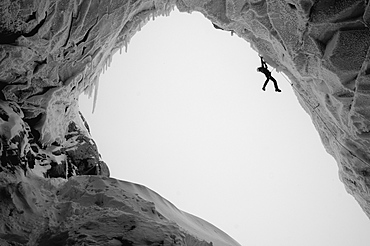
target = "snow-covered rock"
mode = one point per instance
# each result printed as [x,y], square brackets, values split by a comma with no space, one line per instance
[51,51]
[95,210]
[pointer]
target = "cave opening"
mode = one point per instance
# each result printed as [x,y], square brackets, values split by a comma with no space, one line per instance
[183,113]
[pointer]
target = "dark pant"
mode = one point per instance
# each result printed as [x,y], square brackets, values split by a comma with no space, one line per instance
[273,80]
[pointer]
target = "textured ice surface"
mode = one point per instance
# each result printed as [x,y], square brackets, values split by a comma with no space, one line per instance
[53,50]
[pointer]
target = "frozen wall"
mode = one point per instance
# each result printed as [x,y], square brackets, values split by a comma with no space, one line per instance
[52,51]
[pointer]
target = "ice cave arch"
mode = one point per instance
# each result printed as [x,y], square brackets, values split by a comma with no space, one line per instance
[153,122]
[53,50]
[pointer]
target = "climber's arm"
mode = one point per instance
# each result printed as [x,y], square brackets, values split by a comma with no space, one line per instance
[263,63]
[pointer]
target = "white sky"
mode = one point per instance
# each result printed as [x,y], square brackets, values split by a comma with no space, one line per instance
[183,113]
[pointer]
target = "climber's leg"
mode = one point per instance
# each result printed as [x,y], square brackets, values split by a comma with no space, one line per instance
[275,84]
[264,85]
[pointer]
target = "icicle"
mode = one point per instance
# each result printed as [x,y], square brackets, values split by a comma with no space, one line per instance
[88,91]
[91,88]
[109,60]
[120,50]
[96,85]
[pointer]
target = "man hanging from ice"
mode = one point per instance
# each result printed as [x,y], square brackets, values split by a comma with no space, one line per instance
[263,69]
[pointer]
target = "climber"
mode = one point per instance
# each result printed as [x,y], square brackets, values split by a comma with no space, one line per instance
[263,69]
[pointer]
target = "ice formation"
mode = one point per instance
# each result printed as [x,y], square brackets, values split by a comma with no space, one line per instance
[53,50]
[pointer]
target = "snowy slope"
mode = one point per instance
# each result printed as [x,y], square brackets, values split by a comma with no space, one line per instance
[96,210]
